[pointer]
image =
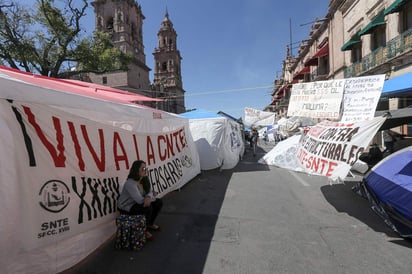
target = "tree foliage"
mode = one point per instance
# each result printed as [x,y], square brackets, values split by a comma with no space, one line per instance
[48,40]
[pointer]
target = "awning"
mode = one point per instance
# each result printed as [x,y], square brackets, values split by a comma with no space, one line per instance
[353,41]
[274,101]
[377,21]
[313,61]
[280,93]
[394,7]
[398,86]
[301,74]
[294,81]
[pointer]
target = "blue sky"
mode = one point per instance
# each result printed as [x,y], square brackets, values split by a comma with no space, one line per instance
[232,50]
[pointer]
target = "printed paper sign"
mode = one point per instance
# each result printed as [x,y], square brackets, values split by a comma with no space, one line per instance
[361,97]
[321,99]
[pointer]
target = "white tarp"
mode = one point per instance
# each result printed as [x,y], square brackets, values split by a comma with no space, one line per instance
[218,141]
[64,159]
[283,154]
[293,125]
[254,117]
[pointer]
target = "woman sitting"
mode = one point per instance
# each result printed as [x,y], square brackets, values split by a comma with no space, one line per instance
[137,197]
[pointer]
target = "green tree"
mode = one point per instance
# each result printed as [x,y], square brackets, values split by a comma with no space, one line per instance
[49,40]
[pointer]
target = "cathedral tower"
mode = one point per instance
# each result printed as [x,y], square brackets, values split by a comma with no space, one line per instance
[123,19]
[167,79]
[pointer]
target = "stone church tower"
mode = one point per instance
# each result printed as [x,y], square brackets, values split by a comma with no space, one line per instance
[123,19]
[167,81]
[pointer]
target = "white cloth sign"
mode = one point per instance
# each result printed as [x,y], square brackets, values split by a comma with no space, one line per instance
[361,97]
[331,148]
[254,117]
[72,170]
[321,99]
[64,157]
[61,175]
[284,154]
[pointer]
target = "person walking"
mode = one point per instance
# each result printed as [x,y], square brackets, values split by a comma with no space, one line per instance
[254,140]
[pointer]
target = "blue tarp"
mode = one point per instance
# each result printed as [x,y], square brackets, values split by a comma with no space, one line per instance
[200,114]
[390,181]
[398,86]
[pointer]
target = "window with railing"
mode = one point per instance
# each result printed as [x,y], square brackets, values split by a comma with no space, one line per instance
[406,17]
[381,55]
[378,37]
[323,67]
[356,53]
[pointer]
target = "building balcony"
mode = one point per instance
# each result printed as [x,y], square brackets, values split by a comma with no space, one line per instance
[319,74]
[398,46]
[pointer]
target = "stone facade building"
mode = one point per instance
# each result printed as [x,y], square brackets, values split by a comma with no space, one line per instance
[167,75]
[123,19]
[355,38]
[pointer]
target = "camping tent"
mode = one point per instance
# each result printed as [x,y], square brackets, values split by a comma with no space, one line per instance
[389,189]
[218,139]
[66,150]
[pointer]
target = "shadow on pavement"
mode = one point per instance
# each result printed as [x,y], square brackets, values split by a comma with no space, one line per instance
[345,200]
[188,221]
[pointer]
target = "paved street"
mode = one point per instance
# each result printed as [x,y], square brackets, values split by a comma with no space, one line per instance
[260,219]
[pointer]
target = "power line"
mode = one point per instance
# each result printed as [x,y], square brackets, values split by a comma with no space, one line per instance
[226,91]
[170,96]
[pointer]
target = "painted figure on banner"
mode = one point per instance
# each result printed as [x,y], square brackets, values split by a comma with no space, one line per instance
[137,197]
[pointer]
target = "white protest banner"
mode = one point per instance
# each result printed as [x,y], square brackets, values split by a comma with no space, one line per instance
[331,148]
[321,99]
[361,97]
[254,117]
[71,169]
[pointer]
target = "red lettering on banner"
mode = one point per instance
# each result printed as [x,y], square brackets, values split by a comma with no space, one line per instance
[150,152]
[170,146]
[331,169]
[167,144]
[175,135]
[57,153]
[320,166]
[77,147]
[182,138]
[117,142]
[100,163]
[301,155]
[136,148]
[159,139]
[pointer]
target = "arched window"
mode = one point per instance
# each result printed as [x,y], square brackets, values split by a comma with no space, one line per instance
[109,24]
[119,17]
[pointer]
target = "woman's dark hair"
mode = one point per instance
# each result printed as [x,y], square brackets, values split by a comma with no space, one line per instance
[134,174]
[134,170]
